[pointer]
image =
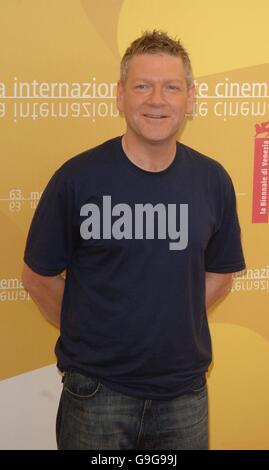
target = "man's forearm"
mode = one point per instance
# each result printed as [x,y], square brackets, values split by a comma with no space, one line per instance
[216,287]
[48,297]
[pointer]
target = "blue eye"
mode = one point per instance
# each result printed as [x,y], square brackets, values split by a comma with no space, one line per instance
[173,87]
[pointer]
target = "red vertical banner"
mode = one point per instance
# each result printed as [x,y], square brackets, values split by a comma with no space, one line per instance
[260,199]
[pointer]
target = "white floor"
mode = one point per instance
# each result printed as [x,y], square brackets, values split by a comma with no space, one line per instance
[28,407]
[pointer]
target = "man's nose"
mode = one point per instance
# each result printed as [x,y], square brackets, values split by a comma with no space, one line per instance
[156,96]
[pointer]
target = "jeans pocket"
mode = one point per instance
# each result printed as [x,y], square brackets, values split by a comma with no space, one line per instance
[80,386]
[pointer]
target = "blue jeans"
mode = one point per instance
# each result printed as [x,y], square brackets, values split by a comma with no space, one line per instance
[91,416]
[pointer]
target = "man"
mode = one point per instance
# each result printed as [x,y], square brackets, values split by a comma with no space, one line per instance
[147,231]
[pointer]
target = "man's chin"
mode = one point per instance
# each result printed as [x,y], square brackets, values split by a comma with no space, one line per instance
[158,139]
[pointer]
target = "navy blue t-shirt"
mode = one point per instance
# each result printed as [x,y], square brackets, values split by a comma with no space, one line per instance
[135,245]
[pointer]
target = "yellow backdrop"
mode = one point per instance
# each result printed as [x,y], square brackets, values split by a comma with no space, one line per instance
[59,65]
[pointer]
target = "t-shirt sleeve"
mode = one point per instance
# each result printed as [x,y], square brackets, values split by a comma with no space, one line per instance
[50,240]
[224,252]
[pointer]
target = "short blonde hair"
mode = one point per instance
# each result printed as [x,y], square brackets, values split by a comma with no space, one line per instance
[154,42]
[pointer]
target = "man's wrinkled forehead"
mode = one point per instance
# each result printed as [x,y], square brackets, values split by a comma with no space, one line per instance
[150,64]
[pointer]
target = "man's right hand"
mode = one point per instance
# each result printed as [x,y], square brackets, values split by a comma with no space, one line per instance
[46,292]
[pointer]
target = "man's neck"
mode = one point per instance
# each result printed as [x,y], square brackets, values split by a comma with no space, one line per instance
[149,157]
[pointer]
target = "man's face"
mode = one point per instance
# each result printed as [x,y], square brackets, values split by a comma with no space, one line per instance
[155,97]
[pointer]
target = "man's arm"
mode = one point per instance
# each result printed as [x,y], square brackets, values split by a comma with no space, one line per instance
[216,286]
[46,292]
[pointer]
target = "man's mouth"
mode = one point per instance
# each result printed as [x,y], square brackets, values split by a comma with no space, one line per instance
[155,116]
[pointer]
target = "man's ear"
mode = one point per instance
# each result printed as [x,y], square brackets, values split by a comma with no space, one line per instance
[119,96]
[191,99]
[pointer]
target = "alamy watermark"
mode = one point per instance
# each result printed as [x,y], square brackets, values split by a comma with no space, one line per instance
[140,224]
